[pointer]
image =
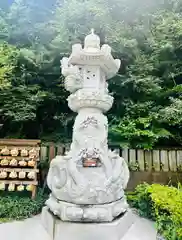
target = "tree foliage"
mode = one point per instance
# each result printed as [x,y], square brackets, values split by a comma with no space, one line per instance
[147,90]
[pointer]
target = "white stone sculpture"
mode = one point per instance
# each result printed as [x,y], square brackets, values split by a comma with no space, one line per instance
[87,185]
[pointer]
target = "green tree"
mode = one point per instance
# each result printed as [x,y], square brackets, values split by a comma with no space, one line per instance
[147,90]
[8,56]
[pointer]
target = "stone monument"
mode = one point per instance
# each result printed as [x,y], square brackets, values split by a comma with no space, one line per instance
[87,184]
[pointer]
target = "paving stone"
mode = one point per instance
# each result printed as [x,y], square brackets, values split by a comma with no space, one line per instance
[32,229]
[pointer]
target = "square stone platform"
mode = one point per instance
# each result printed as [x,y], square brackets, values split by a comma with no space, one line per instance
[59,230]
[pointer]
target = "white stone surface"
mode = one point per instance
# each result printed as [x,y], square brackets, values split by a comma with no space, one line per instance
[88,231]
[29,229]
[86,73]
[127,227]
[32,229]
[86,213]
[142,229]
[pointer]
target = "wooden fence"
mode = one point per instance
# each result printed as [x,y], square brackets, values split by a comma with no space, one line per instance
[164,160]
[157,165]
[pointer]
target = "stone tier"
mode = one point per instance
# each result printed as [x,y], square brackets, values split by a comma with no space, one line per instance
[87,213]
[88,98]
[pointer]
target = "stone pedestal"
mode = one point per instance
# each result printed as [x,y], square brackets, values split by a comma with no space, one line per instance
[59,230]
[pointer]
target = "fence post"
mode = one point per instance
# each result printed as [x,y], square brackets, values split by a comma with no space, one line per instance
[156,160]
[148,159]
[52,152]
[164,160]
[141,160]
[43,153]
[125,155]
[172,160]
[179,160]
[132,158]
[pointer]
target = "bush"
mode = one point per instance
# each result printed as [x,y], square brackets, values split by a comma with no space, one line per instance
[141,200]
[14,206]
[162,204]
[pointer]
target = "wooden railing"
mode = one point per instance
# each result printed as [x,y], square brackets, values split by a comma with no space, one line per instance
[158,160]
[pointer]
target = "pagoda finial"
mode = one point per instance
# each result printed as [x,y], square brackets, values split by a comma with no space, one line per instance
[92,40]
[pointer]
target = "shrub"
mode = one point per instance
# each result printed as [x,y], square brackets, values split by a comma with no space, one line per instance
[160,203]
[14,206]
[141,200]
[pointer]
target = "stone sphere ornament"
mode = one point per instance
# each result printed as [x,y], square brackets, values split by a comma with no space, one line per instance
[87,184]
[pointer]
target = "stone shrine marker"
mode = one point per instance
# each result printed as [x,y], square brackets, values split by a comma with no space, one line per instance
[87,185]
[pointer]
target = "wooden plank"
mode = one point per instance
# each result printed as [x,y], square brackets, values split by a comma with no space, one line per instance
[172,160]
[132,156]
[19,182]
[34,191]
[148,160]
[141,160]
[52,152]
[125,155]
[19,170]
[132,159]
[20,147]
[18,158]
[164,160]
[179,160]
[43,153]
[156,160]
[15,142]
[60,150]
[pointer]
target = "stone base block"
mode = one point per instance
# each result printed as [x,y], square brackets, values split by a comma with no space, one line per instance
[59,230]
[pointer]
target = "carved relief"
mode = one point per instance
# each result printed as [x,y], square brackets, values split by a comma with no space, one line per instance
[84,98]
[69,184]
[73,76]
[89,121]
[95,213]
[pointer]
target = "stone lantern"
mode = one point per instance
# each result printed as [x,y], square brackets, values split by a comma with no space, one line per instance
[87,185]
